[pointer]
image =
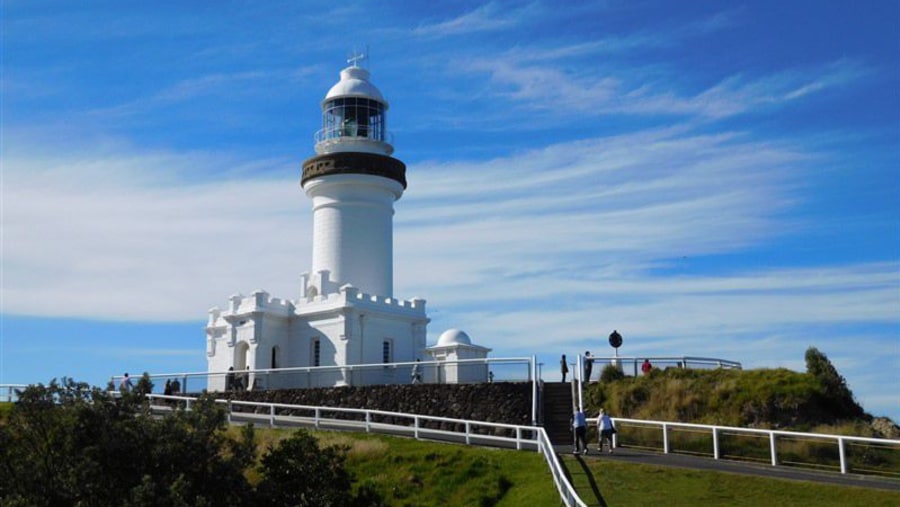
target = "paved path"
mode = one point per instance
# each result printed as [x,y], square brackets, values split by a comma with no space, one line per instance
[738,467]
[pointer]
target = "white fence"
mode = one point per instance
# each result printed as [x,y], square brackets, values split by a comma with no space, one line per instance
[632,364]
[778,443]
[502,369]
[8,392]
[420,427]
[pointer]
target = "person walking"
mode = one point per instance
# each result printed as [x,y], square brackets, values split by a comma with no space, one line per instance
[563,367]
[579,424]
[606,428]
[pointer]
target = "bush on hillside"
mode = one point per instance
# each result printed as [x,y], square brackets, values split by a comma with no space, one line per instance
[611,373]
[835,392]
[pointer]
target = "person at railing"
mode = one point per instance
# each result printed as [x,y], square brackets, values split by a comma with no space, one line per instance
[646,367]
[579,424]
[588,366]
[176,387]
[229,379]
[167,390]
[606,428]
[126,386]
[563,367]
[415,376]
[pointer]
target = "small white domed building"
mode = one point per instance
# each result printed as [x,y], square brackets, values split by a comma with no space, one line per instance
[346,313]
[455,345]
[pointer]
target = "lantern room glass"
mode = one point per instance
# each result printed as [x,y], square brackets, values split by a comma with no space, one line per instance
[353,117]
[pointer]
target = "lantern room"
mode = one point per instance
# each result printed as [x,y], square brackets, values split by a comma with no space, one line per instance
[353,115]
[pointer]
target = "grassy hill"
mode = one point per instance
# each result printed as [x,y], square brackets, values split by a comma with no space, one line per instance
[815,400]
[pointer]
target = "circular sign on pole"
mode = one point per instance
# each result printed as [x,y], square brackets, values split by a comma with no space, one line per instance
[615,339]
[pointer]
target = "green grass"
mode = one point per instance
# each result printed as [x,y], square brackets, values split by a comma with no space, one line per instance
[411,473]
[407,472]
[625,484]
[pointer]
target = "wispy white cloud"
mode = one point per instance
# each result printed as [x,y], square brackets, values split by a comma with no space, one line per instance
[595,91]
[491,16]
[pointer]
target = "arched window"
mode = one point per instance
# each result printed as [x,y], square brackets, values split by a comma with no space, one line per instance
[242,356]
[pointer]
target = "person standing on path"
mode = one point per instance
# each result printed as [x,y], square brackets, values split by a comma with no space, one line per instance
[563,367]
[606,428]
[579,424]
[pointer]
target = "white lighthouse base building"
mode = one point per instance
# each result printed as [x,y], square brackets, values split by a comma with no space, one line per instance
[338,329]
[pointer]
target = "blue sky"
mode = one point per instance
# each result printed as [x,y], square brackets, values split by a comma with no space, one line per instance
[709,178]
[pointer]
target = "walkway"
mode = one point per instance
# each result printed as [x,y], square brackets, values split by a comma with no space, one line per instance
[737,467]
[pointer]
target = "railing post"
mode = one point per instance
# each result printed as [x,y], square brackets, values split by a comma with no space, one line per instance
[518,438]
[665,430]
[272,415]
[468,439]
[187,405]
[772,448]
[715,436]
[229,411]
[843,453]
[416,427]
[316,418]
[368,421]
[534,391]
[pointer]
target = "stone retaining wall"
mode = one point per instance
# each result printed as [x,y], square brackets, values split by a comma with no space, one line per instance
[502,402]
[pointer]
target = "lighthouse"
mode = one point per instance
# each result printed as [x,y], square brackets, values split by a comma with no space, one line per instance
[346,314]
[353,182]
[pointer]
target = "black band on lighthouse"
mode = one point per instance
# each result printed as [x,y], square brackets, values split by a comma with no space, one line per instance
[354,163]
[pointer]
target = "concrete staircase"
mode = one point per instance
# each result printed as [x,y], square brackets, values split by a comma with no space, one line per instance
[557,411]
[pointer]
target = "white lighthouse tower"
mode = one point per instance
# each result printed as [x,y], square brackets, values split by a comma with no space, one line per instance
[353,183]
[346,314]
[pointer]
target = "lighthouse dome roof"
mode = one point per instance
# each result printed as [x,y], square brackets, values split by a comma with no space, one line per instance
[355,83]
[453,337]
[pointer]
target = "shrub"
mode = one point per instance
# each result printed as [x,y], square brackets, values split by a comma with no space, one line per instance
[610,374]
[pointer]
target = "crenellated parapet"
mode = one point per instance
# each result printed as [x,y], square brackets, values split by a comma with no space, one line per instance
[243,311]
[318,289]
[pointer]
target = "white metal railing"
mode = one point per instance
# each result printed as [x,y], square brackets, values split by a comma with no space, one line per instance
[420,427]
[716,432]
[657,362]
[339,132]
[8,392]
[500,369]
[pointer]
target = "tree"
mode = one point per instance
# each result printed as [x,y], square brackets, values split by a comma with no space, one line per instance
[299,473]
[611,373]
[69,444]
[835,392]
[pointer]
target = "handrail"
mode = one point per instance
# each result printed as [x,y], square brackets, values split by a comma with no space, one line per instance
[840,440]
[341,368]
[525,435]
[679,361]
[10,390]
